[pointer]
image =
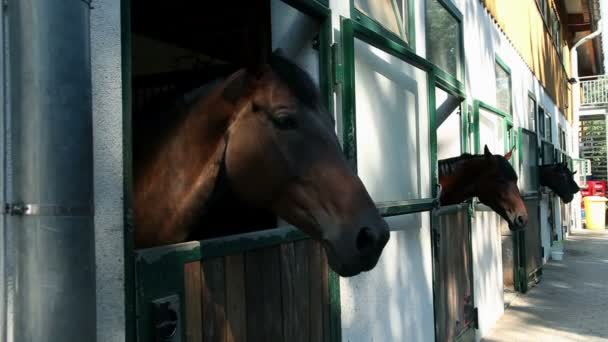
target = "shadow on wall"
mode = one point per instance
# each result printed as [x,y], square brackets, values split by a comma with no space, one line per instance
[487,269]
[393,302]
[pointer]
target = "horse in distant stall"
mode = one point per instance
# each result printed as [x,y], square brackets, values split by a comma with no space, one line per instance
[560,180]
[490,178]
[263,136]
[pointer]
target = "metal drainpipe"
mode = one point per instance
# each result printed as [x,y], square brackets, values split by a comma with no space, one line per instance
[576,87]
[576,95]
[49,238]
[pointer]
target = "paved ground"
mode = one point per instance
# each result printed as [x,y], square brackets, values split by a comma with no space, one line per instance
[571,301]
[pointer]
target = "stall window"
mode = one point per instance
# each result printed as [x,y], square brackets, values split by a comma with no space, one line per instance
[392,15]
[503,86]
[541,122]
[444,37]
[386,120]
[548,127]
[531,113]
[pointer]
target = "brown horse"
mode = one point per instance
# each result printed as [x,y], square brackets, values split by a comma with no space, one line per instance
[560,180]
[490,178]
[265,132]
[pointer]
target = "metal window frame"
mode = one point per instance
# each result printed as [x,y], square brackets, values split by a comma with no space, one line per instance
[507,124]
[350,30]
[375,26]
[500,63]
[520,147]
[171,258]
[458,80]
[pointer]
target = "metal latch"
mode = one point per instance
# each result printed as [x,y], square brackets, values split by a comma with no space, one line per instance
[15,209]
[166,314]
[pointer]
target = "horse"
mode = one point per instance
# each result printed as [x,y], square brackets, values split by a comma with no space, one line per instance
[263,135]
[490,178]
[560,180]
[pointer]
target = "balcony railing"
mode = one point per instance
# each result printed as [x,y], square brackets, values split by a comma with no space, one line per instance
[594,90]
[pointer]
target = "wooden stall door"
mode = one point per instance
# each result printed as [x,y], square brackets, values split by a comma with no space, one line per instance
[453,267]
[277,293]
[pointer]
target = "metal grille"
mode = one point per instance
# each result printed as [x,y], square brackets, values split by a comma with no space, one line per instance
[592,140]
[594,90]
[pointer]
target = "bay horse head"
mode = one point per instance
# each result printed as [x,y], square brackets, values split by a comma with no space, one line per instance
[489,177]
[266,131]
[560,180]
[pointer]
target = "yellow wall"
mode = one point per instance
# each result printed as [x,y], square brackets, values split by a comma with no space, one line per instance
[522,23]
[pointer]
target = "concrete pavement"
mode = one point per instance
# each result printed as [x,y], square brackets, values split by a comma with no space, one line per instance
[571,301]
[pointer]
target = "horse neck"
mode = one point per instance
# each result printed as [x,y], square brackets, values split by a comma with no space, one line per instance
[181,177]
[544,173]
[458,178]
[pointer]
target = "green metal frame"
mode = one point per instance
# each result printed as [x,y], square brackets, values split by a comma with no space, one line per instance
[350,30]
[522,274]
[505,67]
[455,81]
[533,98]
[159,271]
[520,147]
[375,26]
[507,123]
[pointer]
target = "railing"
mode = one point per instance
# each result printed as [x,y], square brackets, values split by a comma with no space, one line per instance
[594,90]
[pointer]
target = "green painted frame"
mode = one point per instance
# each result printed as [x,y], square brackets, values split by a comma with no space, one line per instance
[143,266]
[377,27]
[350,30]
[456,81]
[506,68]
[522,274]
[520,147]
[507,123]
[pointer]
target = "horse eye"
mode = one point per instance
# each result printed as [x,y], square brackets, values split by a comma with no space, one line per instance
[284,121]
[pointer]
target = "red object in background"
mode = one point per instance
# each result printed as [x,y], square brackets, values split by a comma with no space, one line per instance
[594,188]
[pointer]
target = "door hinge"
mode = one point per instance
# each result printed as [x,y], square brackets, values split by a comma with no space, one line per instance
[15,209]
[338,72]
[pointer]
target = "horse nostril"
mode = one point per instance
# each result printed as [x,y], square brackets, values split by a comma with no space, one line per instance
[365,240]
[520,221]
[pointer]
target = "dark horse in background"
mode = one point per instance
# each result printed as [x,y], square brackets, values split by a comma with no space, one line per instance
[560,180]
[490,178]
[263,135]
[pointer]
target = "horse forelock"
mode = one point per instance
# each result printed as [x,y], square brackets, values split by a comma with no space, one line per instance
[506,168]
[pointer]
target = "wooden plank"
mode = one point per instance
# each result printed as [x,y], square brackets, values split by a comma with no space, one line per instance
[236,313]
[263,295]
[325,295]
[194,316]
[214,300]
[295,284]
[316,291]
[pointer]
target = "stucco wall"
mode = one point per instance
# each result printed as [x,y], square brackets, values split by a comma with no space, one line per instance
[108,170]
[394,301]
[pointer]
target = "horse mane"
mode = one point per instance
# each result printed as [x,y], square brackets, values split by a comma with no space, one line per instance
[450,166]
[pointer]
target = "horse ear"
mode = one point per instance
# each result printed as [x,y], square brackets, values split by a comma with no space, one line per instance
[573,173]
[509,154]
[236,87]
[486,151]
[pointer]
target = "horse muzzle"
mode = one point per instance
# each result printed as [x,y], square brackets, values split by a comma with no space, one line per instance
[368,246]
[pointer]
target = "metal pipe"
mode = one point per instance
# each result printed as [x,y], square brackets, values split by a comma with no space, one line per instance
[49,241]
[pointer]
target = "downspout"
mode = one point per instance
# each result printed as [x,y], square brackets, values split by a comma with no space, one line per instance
[49,238]
[576,101]
[576,87]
